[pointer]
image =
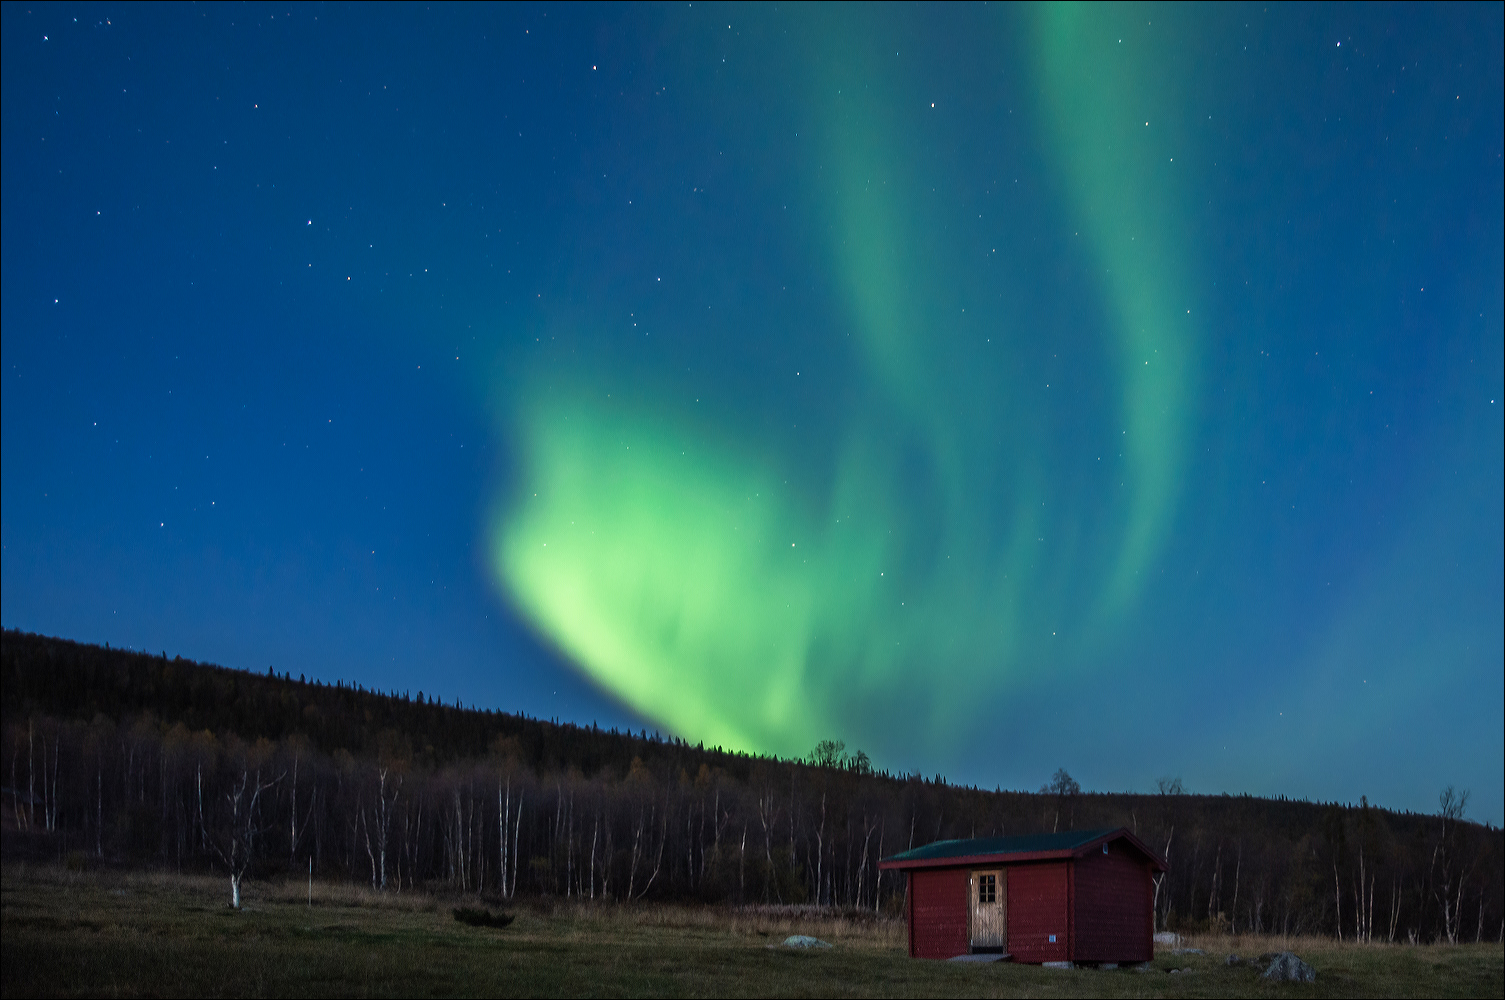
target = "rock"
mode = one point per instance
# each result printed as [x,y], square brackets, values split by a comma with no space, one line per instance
[482,918]
[1166,937]
[985,957]
[1107,966]
[1284,967]
[1057,965]
[804,941]
[1231,960]
[1188,951]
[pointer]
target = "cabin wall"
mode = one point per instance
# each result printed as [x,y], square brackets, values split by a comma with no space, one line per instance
[938,913]
[1113,897]
[1039,906]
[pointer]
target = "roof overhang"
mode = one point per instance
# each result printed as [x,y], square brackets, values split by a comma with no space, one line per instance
[1026,857]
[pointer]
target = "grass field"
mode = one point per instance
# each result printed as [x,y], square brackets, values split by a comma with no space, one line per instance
[142,934]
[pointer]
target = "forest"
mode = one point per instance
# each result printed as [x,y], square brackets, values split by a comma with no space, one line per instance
[124,758]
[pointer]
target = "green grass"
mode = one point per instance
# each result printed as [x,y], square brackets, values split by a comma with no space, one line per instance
[139,934]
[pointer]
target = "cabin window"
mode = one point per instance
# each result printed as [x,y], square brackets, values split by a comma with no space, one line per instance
[987,888]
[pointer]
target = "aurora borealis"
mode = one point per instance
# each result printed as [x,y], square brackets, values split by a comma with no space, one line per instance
[996,390]
[758,599]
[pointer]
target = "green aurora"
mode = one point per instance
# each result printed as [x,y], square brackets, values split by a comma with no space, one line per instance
[744,599]
[995,388]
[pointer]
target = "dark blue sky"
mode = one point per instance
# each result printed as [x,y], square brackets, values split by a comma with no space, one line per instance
[996,391]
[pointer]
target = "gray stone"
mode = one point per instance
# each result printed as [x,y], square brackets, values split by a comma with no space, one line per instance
[804,941]
[1057,965]
[985,957]
[1188,951]
[1284,967]
[1231,960]
[1167,937]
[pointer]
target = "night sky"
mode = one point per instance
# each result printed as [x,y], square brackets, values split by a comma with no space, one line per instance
[993,389]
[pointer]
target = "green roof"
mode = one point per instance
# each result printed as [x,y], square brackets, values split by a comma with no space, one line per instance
[1036,843]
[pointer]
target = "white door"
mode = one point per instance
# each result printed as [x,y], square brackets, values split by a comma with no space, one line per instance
[989,891]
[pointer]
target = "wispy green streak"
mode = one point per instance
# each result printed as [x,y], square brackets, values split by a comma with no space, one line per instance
[713,584]
[1114,109]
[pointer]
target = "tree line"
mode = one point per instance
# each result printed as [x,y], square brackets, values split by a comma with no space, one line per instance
[121,757]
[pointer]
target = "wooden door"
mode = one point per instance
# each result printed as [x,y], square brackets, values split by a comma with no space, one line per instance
[989,918]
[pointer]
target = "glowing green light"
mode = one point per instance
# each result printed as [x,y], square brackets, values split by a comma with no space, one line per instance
[1114,113]
[718,585]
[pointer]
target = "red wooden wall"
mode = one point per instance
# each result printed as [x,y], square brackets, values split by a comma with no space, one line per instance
[938,913]
[1113,900]
[1039,906]
[1098,907]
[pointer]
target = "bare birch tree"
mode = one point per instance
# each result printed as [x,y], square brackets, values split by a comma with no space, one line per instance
[235,846]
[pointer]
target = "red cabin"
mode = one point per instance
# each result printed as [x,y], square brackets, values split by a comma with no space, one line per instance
[1079,896]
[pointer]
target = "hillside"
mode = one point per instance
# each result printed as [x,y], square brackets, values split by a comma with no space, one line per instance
[123,757]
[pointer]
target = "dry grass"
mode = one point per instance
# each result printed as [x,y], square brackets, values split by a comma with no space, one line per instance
[135,934]
[296,893]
